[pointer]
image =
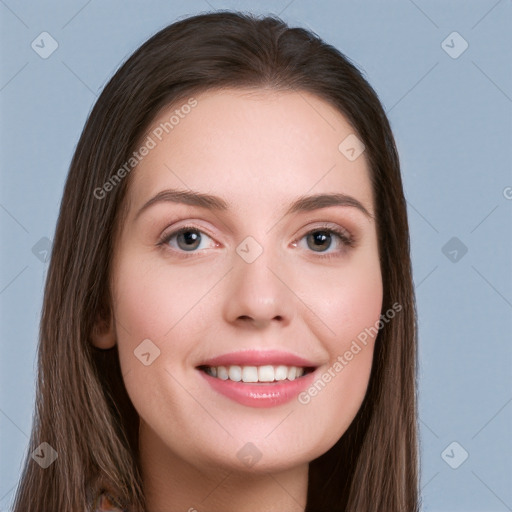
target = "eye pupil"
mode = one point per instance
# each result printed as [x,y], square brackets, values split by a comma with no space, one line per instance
[319,238]
[192,239]
[189,239]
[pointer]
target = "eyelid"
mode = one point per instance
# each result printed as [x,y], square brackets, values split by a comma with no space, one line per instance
[179,223]
[347,238]
[329,226]
[174,231]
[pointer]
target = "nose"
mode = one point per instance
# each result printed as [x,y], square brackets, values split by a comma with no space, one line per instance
[258,294]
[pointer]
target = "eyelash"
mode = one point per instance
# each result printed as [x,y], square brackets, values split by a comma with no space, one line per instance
[347,240]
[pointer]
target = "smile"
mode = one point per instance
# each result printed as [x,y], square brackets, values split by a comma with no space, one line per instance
[253,374]
[258,378]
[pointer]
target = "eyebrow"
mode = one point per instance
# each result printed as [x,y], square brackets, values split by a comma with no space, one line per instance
[211,202]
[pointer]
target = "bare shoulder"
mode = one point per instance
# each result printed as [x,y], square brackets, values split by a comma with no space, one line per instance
[105,502]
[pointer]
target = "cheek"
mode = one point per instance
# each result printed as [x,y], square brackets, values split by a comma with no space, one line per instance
[160,302]
[347,299]
[349,304]
[153,298]
[157,302]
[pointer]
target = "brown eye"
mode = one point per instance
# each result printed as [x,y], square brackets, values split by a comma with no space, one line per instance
[319,240]
[327,241]
[186,239]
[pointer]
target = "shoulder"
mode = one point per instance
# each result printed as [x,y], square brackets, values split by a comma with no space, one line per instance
[105,502]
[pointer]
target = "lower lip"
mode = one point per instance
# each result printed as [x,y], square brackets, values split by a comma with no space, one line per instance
[260,394]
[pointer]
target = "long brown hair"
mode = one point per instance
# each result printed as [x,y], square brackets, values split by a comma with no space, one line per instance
[82,408]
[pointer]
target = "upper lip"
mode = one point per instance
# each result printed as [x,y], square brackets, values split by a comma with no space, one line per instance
[259,358]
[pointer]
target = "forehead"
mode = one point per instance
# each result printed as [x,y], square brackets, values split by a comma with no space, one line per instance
[252,147]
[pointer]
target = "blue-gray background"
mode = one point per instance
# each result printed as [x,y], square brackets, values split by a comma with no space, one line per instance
[452,118]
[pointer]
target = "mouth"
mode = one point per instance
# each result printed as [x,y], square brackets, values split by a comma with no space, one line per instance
[265,374]
[257,378]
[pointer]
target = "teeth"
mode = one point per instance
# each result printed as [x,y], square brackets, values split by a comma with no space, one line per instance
[281,373]
[235,373]
[222,373]
[266,373]
[250,374]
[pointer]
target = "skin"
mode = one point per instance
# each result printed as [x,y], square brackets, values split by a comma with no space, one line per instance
[259,151]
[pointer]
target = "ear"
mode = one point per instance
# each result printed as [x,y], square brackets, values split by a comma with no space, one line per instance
[103,334]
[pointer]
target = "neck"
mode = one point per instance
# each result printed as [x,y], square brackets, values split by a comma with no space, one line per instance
[172,484]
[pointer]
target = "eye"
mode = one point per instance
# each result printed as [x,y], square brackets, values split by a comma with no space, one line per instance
[323,238]
[190,239]
[187,239]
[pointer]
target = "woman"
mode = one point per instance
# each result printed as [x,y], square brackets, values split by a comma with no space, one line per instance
[199,349]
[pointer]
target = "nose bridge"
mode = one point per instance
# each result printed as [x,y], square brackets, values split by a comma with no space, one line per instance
[257,291]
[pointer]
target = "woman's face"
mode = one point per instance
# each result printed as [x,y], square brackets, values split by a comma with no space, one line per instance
[257,285]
